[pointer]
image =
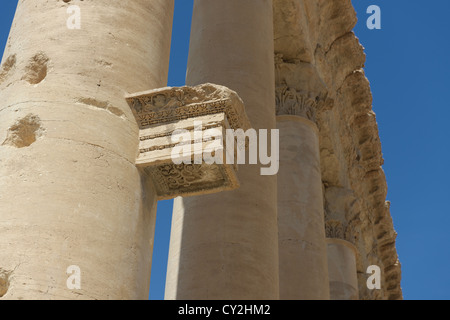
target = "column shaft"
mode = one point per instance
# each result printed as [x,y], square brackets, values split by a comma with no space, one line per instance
[224,246]
[302,245]
[70,193]
[342,270]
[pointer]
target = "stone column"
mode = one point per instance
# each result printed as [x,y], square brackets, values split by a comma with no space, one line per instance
[342,253]
[342,270]
[224,246]
[70,193]
[302,245]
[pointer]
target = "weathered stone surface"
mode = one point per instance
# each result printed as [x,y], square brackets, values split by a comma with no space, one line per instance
[335,19]
[292,33]
[351,158]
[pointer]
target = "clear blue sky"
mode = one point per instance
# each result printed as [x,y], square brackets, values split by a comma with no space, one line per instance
[408,67]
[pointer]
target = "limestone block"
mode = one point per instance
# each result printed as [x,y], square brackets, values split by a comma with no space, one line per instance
[194,121]
[292,31]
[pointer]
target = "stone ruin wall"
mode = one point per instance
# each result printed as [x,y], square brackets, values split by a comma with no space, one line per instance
[314,40]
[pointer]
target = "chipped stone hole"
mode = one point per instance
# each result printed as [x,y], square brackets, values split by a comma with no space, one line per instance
[6,67]
[105,105]
[103,63]
[5,277]
[36,69]
[24,132]
[9,63]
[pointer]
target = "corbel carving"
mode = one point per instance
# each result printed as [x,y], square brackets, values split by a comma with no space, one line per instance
[163,112]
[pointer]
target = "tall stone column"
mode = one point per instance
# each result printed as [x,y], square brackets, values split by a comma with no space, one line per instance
[302,245]
[70,193]
[224,246]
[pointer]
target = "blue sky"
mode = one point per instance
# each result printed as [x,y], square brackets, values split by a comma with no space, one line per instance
[408,68]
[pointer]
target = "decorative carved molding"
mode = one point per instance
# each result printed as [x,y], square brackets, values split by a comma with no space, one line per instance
[334,229]
[299,89]
[162,111]
[290,101]
[173,104]
[173,180]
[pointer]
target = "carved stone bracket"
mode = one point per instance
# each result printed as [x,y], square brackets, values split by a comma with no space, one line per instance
[169,118]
